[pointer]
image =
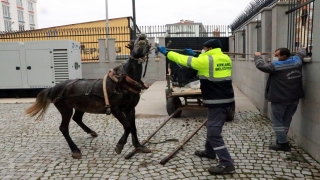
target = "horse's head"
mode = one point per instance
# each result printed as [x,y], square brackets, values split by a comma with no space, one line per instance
[139,50]
[140,47]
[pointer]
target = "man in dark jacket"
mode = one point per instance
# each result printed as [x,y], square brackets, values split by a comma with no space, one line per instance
[283,90]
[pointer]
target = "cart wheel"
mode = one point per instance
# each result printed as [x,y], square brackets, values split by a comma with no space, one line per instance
[173,103]
[167,93]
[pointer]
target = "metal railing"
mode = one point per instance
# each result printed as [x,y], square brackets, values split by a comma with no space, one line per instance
[88,37]
[187,30]
[300,25]
[251,11]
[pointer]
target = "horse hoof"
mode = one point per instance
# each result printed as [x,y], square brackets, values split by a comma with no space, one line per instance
[94,134]
[76,155]
[118,150]
[145,149]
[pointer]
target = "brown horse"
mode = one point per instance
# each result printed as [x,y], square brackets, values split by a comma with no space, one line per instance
[123,86]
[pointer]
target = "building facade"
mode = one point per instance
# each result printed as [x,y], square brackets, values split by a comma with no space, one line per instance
[18,15]
[186,28]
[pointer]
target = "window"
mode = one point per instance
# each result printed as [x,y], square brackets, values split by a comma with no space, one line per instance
[30,6]
[21,27]
[32,28]
[6,11]
[19,3]
[20,16]
[31,18]
[7,25]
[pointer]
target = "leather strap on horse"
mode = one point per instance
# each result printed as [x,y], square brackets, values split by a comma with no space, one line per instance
[133,82]
[130,81]
[89,88]
[125,86]
[111,75]
[105,93]
[60,95]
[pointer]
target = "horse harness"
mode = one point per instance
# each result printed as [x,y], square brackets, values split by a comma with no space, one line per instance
[87,92]
[118,75]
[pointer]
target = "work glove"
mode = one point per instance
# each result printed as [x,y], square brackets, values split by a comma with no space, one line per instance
[162,50]
[189,52]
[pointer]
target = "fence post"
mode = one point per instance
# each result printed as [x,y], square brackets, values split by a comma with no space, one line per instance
[279,25]
[232,45]
[266,23]
[239,40]
[252,39]
[162,42]
[102,50]
[111,50]
[316,32]
[152,42]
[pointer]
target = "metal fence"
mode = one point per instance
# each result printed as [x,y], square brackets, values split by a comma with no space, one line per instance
[187,30]
[251,11]
[300,25]
[88,37]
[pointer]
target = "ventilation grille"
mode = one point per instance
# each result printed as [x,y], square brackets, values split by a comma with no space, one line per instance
[60,59]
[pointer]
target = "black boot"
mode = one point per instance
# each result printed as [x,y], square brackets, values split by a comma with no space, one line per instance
[204,154]
[221,170]
[280,147]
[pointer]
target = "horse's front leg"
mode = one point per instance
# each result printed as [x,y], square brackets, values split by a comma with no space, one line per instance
[126,126]
[131,117]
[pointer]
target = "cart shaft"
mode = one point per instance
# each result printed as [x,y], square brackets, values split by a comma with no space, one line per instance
[128,156]
[166,159]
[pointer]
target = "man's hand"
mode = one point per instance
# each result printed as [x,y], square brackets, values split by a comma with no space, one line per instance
[257,54]
[189,52]
[162,50]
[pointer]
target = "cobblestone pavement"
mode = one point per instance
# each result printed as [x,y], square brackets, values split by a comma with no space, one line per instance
[37,150]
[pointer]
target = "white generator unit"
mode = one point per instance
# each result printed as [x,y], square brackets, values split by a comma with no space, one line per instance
[38,64]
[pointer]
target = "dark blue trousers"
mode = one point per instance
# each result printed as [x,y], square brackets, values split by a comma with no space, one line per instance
[281,118]
[214,142]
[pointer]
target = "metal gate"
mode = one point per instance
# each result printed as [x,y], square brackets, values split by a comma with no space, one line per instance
[183,75]
[300,25]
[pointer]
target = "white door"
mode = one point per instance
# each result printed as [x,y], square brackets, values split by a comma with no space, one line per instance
[10,69]
[39,68]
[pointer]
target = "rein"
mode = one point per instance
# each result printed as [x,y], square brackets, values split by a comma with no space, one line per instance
[145,67]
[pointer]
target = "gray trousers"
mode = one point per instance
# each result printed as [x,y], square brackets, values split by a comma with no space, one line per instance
[281,118]
[214,142]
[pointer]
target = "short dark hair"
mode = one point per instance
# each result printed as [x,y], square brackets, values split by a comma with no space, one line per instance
[284,51]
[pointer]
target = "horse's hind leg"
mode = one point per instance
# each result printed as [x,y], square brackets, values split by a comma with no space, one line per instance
[77,117]
[66,114]
[127,129]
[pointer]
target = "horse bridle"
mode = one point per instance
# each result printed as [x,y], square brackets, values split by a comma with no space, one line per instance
[146,57]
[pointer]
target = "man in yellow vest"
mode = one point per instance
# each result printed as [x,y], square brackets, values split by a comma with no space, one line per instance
[214,70]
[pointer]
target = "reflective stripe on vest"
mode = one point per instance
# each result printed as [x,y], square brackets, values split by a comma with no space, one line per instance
[218,101]
[189,61]
[211,67]
[215,79]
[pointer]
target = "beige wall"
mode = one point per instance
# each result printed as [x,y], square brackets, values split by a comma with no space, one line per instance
[305,126]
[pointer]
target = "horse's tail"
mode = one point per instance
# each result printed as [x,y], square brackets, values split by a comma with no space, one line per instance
[41,105]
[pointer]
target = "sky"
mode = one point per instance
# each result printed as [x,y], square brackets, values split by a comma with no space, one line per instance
[148,12]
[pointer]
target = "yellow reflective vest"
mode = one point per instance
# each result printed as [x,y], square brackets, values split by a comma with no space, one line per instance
[214,71]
